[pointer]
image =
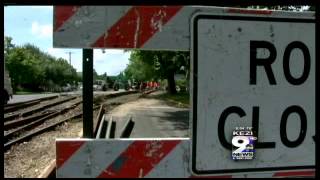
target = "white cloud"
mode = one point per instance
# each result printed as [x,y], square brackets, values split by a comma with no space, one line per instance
[53,51]
[41,31]
[114,51]
[59,53]
[100,56]
[112,61]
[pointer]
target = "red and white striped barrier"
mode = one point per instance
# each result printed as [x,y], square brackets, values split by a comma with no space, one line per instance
[122,158]
[136,158]
[141,27]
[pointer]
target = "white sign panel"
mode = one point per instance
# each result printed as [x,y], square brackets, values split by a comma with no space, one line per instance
[254,72]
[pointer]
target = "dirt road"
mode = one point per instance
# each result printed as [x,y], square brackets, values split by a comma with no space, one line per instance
[153,118]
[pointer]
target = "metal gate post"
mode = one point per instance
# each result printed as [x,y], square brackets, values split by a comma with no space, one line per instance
[87,92]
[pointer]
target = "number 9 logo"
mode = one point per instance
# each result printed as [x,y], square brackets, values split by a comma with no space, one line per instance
[241,142]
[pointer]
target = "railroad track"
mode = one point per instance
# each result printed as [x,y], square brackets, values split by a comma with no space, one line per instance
[19,105]
[41,130]
[15,115]
[30,122]
[21,130]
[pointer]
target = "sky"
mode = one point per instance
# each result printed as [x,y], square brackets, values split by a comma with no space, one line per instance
[34,24]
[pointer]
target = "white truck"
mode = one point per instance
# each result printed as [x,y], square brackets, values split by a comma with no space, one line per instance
[7,90]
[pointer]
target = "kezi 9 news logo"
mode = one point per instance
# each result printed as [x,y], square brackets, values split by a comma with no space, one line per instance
[243,143]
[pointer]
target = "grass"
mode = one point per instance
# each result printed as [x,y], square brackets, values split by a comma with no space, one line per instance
[23,93]
[179,99]
[29,92]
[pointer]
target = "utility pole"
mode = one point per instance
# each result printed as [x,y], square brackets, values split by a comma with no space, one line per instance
[69,56]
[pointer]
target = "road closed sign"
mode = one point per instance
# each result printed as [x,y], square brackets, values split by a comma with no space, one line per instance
[253,77]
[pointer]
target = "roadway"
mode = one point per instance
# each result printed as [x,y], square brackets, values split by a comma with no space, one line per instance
[153,119]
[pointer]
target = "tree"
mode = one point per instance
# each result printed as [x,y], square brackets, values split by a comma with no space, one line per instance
[8,45]
[155,65]
[138,69]
[79,76]
[32,69]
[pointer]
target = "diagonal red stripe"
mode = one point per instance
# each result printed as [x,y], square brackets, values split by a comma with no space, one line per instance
[295,173]
[65,149]
[137,26]
[139,159]
[62,14]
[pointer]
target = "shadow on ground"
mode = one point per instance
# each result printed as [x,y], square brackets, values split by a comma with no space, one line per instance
[178,119]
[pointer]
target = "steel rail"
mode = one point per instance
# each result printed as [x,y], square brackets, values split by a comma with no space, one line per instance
[37,122]
[20,106]
[41,99]
[12,124]
[44,129]
[32,111]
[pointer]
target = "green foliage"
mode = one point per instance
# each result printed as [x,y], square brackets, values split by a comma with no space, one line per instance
[138,69]
[181,99]
[95,75]
[157,65]
[151,65]
[122,78]
[182,83]
[34,70]
[79,76]
[7,45]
